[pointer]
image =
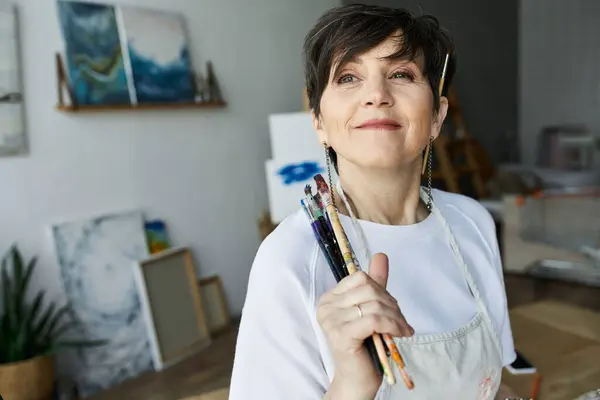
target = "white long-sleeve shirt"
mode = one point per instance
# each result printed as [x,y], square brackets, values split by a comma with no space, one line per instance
[282,353]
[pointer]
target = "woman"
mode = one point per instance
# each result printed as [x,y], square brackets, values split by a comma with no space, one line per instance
[434,278]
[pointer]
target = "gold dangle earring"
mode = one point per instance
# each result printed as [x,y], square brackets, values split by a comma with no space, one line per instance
[428,149]
[328,164]
[429,160]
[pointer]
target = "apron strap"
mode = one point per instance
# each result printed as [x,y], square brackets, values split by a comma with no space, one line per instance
[366,255]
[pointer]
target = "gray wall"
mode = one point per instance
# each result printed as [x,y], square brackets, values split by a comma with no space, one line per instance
[559,68]
[486,81]
[202,171]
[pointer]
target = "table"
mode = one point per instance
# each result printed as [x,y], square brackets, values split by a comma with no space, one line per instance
[563,342]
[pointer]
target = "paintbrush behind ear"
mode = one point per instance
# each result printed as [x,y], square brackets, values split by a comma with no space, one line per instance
[440,90]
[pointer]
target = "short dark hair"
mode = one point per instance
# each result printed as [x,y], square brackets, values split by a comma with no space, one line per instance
[345,32]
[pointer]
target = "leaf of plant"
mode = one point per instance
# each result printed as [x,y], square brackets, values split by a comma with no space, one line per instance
[50,331]
[79,343]
[22,283]
[17,264]
[39,327]
[8,303]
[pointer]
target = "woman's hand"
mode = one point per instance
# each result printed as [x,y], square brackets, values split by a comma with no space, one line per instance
[351,312]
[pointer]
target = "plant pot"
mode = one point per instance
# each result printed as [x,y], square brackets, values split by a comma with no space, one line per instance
[31,379]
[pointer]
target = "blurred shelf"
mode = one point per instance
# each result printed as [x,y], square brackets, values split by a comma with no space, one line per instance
[141,107]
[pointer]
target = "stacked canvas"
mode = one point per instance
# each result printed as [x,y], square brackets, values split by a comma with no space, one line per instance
[297,157]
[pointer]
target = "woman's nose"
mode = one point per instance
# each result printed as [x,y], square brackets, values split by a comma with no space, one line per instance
[377,94]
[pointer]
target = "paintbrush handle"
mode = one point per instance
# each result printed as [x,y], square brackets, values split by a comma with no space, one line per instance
[341,238]
[344,245]
[397,359]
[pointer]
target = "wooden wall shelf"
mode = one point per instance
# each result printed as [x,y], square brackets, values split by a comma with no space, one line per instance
[69,106]
[141,107]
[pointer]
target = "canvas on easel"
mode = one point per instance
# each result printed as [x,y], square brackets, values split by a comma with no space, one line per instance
[172,306]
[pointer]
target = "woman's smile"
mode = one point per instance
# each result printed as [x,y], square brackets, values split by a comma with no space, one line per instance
[386,124]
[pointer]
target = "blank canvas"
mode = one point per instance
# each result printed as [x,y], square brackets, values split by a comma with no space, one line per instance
[293,137]
[173,306]
[215,304]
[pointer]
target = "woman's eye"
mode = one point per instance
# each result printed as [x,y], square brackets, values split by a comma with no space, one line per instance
[402,75]
[346,79]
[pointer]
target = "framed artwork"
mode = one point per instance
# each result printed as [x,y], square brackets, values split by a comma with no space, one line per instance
[215,304]
[12,118]
[172,306]
[125,54]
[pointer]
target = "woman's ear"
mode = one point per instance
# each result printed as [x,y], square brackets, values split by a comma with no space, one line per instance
[439,117]
[318,125]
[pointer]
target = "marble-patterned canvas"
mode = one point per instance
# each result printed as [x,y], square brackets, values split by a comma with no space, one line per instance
[96,258]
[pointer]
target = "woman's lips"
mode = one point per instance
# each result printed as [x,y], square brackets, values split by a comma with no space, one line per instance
[384,124]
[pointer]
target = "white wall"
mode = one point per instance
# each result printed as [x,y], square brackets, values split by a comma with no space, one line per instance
[201,170]
[559,58]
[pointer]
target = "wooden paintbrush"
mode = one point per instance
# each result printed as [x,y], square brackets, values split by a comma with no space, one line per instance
[344,245]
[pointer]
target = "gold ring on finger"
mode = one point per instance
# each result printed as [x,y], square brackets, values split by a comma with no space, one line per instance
[360,312]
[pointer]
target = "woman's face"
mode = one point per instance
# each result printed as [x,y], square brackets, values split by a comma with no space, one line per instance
[378,113]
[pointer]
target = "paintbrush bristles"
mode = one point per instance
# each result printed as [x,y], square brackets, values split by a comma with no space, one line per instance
[338,230]
[307,190]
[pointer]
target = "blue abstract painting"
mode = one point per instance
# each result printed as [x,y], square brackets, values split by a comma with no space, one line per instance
[159,56]
[94,59]
[96,258]
[299,172]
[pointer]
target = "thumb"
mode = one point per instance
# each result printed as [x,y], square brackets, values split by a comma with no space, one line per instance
[378,269]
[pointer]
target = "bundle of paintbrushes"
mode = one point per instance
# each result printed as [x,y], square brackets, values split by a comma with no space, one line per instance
[337,251]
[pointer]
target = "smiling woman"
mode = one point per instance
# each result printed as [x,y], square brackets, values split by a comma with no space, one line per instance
[434,278]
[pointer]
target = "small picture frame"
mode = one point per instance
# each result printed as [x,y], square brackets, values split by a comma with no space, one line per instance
[172,306]
[215,304]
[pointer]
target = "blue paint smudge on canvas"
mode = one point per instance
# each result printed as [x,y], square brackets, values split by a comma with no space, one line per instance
[299,172]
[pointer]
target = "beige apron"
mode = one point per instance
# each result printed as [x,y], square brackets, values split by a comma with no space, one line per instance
[465,364]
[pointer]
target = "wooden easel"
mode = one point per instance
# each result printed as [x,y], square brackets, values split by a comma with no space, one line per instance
[446,149]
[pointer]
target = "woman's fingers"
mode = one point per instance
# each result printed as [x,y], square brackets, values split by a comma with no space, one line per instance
[379,309]
[361,328]
[351,281]
[365,293]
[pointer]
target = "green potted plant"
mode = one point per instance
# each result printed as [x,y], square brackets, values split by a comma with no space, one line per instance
[30,333]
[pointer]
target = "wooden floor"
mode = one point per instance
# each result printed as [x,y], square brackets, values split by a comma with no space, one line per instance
[211,369]
[207,371]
